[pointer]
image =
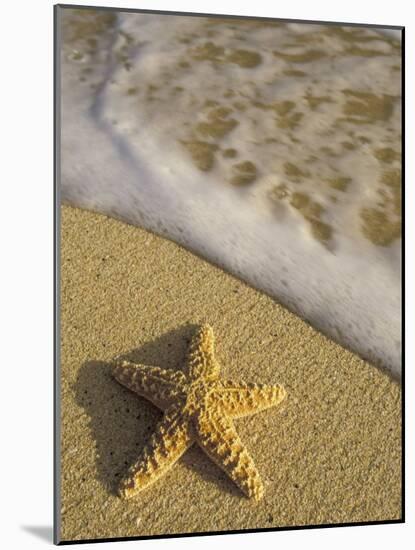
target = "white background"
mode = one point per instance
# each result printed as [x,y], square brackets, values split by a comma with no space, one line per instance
[26,271]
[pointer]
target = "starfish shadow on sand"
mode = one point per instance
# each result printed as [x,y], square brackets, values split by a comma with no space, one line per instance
[122,422]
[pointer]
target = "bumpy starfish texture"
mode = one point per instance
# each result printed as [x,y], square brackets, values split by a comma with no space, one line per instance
[198,407]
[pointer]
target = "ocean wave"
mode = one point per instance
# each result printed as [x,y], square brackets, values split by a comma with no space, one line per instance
[271,149]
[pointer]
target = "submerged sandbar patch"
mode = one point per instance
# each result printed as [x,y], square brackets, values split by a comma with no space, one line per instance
[387,154]
[244,172]
[218,124]
[304,57]
[202,153]
[217,54]
[378,228]
[312,211]
[294,172]
[340,183]
[245,58]
[364,107]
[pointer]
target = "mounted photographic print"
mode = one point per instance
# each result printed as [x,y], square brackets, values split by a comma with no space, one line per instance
[229,278]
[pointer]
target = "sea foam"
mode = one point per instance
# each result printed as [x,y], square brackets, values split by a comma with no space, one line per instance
[272,149]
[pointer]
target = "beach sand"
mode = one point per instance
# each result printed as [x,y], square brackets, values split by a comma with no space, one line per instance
[330,453]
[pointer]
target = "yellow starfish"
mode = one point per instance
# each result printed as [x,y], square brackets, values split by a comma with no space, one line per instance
[198,407]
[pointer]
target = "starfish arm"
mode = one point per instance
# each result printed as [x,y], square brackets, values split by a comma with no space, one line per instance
[217,436]
[201,358]
[239,399]
[167,444]
[159,386]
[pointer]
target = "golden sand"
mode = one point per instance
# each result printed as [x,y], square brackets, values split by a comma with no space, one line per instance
[330,453]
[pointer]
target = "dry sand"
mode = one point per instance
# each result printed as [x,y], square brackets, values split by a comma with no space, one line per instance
[331,453]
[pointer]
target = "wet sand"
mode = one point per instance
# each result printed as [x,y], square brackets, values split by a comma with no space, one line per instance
[330,453]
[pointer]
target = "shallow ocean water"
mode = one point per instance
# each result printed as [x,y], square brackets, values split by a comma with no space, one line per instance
[271,149]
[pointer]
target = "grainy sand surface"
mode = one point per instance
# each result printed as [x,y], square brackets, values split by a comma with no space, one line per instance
[330,453]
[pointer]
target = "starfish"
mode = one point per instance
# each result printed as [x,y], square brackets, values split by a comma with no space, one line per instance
[198,407]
